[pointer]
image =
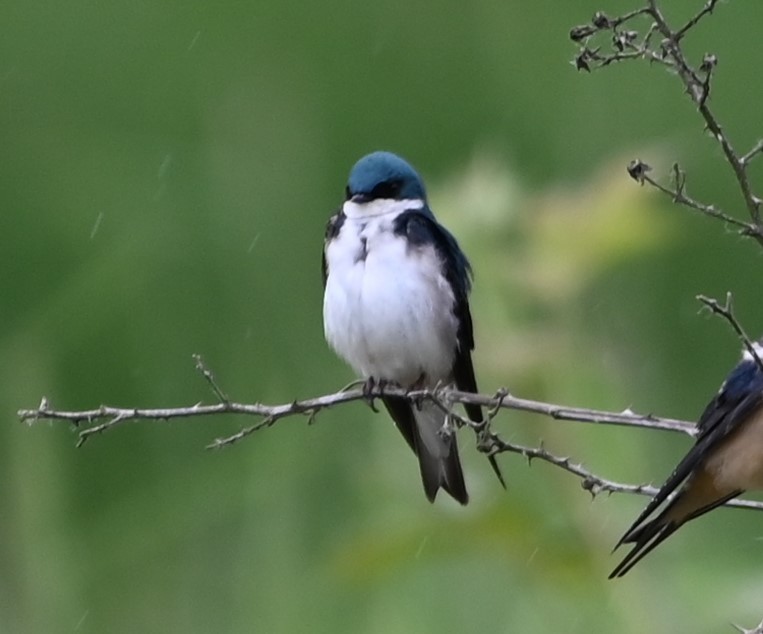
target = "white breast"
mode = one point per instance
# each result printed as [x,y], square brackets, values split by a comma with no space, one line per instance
[390,315]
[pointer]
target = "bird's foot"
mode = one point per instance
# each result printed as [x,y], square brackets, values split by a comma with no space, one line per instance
[370,386]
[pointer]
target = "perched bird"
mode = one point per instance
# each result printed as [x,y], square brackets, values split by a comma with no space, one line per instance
[726,460]
[396,307]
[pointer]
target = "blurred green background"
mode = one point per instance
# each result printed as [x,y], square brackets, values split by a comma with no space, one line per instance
[165,176]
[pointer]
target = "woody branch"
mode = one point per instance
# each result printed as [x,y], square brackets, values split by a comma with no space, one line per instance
[657,42]
[105,417]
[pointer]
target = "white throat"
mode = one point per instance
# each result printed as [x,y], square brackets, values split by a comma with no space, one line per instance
[380,207]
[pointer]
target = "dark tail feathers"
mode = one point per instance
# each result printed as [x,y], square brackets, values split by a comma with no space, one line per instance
[645,537]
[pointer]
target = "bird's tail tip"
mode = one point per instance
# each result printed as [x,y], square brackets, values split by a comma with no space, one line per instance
[646,538]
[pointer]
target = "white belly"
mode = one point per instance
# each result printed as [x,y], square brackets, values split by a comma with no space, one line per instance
[390,315]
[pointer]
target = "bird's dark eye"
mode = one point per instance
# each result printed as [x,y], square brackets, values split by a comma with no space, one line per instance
[387,189]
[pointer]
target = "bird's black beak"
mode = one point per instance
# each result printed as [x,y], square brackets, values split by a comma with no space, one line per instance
[360,198]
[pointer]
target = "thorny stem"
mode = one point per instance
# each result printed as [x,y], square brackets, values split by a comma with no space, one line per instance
[106,417]
[444,395]
[489,442]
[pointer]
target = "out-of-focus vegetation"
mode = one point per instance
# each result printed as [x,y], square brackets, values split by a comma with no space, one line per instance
[165,176]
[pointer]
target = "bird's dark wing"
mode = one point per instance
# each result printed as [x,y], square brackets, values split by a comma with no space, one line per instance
[740,396]
[332,231]
[743,381]
[421,228]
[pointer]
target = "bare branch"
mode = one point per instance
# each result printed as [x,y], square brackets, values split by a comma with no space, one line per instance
[116,415]
[697,83]
[593,483]
[699,88]
[488,442]
[638,170]
[502,400]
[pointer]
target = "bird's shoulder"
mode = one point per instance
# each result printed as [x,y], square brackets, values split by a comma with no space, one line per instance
[334,225]
[739,395]
[420,228]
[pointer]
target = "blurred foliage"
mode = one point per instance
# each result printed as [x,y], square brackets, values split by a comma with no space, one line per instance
[167,170]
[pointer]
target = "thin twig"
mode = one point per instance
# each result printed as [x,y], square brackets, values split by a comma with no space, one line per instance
[678,195]
[754,151]
[209,378]
[593,483]
[706,10]
[727,312]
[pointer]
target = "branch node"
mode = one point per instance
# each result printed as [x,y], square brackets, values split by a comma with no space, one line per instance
[583,58]
[709,62]
[708,65]
[592,485]
[498,399]
[601,21]
[581,32]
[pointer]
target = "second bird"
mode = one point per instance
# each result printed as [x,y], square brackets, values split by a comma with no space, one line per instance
[725,461]
[396,306]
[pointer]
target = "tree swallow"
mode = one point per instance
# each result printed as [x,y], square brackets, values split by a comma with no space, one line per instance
[726,460]
[396,307]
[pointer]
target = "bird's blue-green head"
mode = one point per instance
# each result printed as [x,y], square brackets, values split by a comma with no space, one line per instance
[384,176]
